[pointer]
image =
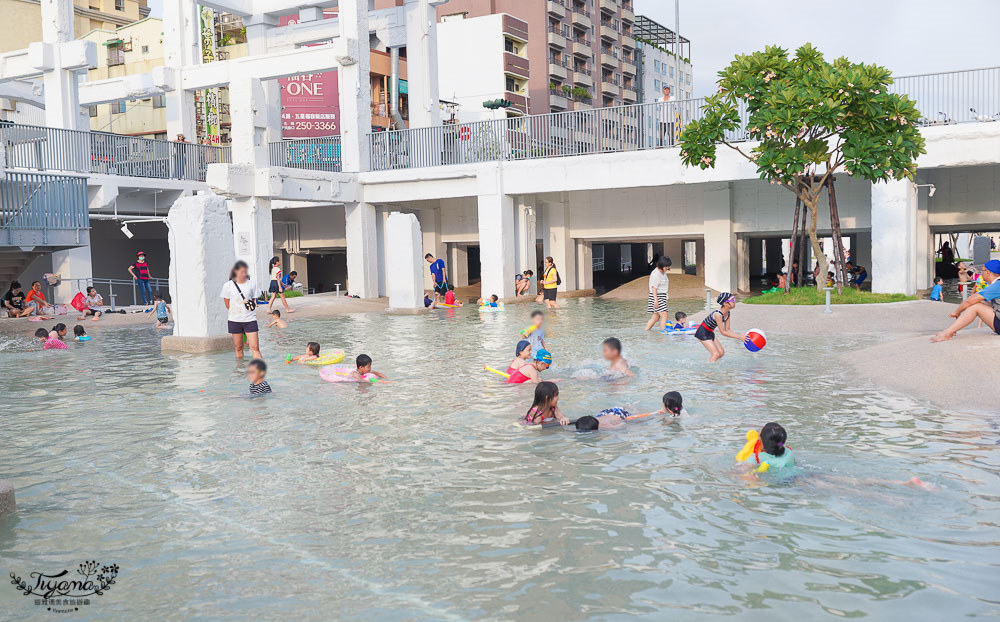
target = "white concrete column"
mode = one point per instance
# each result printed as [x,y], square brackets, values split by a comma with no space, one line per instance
[894,238]
[458,264]
[61,59]
[742,264]
[181,48]
[925,263]
[248,111]
[560,244]
[201,256]
[405,255]
[422,63]
[253,235]
[355,85]
[526,236]
[381,249]
[362,250]
[257,27]
[430,226]
[74,263]
[584,264]
[720,240]
[496,244]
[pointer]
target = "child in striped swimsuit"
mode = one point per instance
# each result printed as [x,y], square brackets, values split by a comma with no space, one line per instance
[717,320]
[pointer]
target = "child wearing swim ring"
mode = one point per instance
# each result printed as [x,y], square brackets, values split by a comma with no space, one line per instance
[680,320]
[522,356]
[545,406]
[80,334]
[530,372]
[312,353]
[770,448]
[364,367]
[489,302]
[717,320]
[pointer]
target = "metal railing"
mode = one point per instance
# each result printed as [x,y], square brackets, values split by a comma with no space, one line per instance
[599,130]
[112,298]
[52,149]
[42,202]
[314,154]
[955,96]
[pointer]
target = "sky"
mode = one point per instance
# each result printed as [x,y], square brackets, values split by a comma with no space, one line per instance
[907,36]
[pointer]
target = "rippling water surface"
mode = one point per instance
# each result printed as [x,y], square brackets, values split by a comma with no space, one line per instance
[420,500]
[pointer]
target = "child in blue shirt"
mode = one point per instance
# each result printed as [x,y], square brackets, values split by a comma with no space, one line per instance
[938,287]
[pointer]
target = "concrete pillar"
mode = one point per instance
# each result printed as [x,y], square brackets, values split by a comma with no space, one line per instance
[584,264]
[458,264]
[74,263]
[404,245]
[674,249]
[362,250]
[201,256]
[381,216]
[422,63]
[742,264]
[253,235]
[257,27]
[355,85]
[248,111]
[773,255]
[756,250]
[525,211]
[560,243]
[496,244]
[181,48]
[720,240]
[61,59]
[300,265]
[894,237]
[430,225]
[699,257]
[925,268]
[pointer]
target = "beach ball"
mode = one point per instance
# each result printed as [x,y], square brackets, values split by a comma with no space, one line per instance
[755,340]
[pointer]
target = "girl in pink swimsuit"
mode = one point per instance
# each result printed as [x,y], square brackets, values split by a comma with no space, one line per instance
[546,405]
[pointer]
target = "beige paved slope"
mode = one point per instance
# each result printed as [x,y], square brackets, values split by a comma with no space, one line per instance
[681,286]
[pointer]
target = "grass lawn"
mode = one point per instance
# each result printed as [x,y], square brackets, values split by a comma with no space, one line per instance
[809,296]
[292,293]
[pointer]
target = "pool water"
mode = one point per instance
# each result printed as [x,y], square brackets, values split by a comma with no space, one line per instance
[420,500]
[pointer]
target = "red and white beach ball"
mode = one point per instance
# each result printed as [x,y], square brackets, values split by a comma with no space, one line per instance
[755,340]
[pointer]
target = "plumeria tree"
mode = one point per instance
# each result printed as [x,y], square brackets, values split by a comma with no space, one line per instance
[805,120]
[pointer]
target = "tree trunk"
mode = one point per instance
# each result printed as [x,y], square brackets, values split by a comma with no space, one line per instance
[793,244]
[838,240]
[814,240]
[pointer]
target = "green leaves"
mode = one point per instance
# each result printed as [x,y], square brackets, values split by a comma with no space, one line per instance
[806,112]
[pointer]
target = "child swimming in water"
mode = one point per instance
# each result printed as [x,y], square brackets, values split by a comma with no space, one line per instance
[256,371]
[53,339]
[770,449]
[717,319]
[612,349]
[673,405]
[491,302]
[276,320]
[522,356]
[364,367]
[530,372]
[545,407]
[80,334]
[312,353]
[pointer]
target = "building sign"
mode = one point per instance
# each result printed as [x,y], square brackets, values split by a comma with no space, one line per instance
[310,103]
[210,128]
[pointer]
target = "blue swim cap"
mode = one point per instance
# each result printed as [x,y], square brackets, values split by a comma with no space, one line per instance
[544,356]
[521,345]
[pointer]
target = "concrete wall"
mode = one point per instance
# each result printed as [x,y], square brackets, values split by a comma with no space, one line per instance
[319,227]
[964,197]
[760,207]
[459,220]
[112,253]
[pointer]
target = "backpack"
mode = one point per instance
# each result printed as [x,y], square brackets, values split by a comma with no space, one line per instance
[558,278]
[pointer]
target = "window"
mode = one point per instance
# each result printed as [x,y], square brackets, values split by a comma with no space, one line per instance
[687,79]
[656,84]
[508,46]
[598,250]
[159,101]
[511,85]
[453,17]
[117,107]
[92,110]
[626,257]
[656,65]
[120,5]
[116,55]
[671,72]
[145,49]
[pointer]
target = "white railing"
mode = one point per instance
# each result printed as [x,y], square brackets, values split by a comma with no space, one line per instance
[955,96]
[314,154]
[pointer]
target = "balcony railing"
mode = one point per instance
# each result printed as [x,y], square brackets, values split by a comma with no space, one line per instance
[51,149]
[602,130]
[955,96]
[47,209]
[313,154]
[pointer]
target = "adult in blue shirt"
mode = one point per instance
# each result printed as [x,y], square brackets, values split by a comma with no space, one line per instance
[440,274]
[289,279]
[985,305]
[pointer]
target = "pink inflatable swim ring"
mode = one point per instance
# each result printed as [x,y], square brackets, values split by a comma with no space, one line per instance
[342,373]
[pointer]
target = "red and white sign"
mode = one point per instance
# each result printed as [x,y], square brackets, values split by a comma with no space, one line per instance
[310,103]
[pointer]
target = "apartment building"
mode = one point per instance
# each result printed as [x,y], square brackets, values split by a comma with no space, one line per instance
[582,52]
[22,19]
[498,70]
[664,59]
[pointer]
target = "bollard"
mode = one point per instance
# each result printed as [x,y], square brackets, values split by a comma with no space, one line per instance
[338,289]
[708,300]
[828,290]
[963,287]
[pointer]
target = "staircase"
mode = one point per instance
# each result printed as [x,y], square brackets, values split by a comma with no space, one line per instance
[13,263]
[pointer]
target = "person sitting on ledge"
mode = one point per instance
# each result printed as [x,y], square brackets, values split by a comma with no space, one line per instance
[985,305]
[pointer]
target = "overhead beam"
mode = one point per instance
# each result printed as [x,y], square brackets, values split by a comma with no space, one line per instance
[243,8]
[23,92]
[277,65]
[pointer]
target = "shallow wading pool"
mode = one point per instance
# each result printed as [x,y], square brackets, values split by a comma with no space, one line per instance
[420,500]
